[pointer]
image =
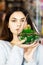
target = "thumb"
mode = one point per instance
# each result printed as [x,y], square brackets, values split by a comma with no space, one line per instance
[22,41]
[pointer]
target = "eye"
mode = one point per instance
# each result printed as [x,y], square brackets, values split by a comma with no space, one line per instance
[13,20]
[22,20]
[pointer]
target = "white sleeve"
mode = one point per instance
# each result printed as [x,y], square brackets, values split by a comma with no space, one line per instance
[40,52]
[39,57]
[16,56]
[30,63]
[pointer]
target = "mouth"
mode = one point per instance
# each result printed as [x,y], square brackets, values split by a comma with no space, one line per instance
[17,29]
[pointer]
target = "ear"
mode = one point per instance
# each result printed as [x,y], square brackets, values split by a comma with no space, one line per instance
[25,24]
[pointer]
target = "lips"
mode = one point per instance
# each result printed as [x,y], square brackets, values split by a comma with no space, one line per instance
[18,28]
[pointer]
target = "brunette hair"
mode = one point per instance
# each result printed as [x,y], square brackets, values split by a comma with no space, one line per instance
[6,33]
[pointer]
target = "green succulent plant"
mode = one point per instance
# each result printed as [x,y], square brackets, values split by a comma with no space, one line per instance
[29,34]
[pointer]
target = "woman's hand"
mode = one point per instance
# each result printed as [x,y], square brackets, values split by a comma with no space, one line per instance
[29,50]
[28,54]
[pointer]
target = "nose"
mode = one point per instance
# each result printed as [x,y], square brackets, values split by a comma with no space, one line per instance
[19,23]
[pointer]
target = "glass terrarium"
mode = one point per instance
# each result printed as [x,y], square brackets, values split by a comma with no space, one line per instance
[29,34]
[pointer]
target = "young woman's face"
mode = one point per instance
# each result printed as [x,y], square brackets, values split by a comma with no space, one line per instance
[17,22]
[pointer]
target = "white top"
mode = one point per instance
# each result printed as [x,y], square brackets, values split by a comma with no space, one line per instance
[14,55]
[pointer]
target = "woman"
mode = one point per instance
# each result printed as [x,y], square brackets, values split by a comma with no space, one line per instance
[12,50]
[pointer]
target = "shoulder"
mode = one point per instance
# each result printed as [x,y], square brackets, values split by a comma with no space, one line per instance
[4,43]
[5,47]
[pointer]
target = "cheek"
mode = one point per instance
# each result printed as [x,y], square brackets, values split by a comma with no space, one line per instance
[21,28]
[12,27]
[24,25]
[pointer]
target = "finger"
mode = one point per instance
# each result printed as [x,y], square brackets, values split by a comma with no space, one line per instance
[22,41]
[29,45]
[33,50]
[34,44]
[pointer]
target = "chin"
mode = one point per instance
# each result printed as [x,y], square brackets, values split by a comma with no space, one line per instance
[18,33]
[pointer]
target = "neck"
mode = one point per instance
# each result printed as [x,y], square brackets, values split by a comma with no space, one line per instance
[14,40]
[15,37]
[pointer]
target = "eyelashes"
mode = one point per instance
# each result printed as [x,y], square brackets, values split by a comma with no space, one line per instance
[16,20]
[13,20]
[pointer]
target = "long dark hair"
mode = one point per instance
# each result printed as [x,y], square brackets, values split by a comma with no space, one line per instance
[6,33]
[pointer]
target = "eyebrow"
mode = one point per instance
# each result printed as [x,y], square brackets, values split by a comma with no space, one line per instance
[21,18]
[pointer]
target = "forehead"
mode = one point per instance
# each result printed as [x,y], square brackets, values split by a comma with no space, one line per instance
[17,14]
